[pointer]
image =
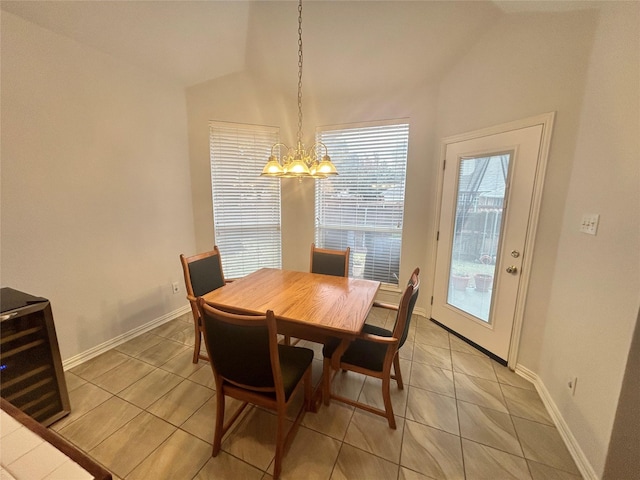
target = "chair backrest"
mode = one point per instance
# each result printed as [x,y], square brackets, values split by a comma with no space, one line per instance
[405,309]
[243,348]
[329,262]
[202,272]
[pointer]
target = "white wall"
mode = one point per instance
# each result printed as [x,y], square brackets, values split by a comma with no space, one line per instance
[96,195]
[584,290]
[595,293]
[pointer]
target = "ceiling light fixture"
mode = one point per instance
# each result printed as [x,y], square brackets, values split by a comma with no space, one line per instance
[298,162]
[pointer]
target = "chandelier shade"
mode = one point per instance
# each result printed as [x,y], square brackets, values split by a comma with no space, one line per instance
[298,162]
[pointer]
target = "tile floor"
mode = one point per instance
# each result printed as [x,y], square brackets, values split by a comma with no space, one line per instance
[145,411]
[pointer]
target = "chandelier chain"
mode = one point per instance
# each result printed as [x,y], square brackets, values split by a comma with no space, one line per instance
[300,72]
[298,162]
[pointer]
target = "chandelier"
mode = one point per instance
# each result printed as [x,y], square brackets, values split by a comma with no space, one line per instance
[299,162]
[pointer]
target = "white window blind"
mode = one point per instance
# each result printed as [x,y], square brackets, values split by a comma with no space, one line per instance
[363,206]
[246,207]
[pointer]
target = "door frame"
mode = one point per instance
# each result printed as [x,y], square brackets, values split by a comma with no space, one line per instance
[546,120]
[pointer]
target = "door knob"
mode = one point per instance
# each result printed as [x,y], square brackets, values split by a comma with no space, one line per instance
[512,269]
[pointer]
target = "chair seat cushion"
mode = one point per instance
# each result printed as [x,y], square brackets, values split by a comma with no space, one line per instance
[362,353]
[294,361]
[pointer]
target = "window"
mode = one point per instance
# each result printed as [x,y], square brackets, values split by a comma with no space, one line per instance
[246,207]
[363,206]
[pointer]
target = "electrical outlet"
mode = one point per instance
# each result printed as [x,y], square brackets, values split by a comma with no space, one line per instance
[590,223]
[175,287]
[573,381]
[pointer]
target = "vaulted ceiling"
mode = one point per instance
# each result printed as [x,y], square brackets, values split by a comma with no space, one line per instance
[354,44]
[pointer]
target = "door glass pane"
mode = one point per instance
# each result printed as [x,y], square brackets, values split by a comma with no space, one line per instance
[478,224]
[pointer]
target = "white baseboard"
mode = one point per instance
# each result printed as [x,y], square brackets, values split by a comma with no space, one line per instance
[120,339]
[421,311]
[586,470]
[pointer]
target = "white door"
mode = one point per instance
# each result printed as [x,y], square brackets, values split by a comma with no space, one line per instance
[488,210]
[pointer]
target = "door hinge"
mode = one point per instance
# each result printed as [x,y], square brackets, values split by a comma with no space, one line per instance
[431,300]
[444,163]
[437,236]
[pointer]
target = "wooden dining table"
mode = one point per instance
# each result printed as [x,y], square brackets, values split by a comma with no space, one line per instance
[306,305]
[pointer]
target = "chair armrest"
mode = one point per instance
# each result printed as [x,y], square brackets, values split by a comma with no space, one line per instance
[191,298]
[388,306]
[370,337]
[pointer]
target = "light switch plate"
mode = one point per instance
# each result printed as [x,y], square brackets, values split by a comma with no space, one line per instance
[590,223]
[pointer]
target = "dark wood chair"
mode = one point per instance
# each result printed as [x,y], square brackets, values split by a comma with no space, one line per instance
[374,352]
[329,262]
[202,274]
[249,365]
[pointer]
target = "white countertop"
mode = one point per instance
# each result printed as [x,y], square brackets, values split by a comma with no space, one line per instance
[26,456]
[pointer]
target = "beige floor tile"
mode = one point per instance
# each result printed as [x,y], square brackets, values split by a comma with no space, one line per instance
[150,388]
[184,335]
[95,367]
[405,370]
[437,368]
[411,335]
[486,463]
[406,351]
[172,327]
[460,345]
[526,404]
[177,405]
[435,356]
[182,364]
[371,433]
[473,365]
[138,344]
[331,420]
[254,438]
[406,474]
[316,371]
[202,423]
[125,374]
[171,461]
[347,384]
[186,317]
[378,316]
[432,335]
[316,347]
[131,444]
[354,463]
[433,409]
[92,428]
[204,377]
[73,381]
[83,399]
[226,467]
[311,456]
[432,378]
[425,324]
[543,444]
[371,394]
[431,452]
[544,472]
[161,352]
[480,392]
[489,427]
[506,376]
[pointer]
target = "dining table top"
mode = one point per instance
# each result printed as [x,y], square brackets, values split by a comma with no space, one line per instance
[338,305]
